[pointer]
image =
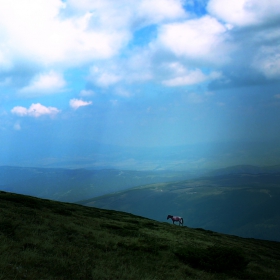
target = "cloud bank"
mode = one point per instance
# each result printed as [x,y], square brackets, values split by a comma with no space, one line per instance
[124,41]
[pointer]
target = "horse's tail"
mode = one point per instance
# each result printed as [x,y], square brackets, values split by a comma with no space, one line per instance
[182,221]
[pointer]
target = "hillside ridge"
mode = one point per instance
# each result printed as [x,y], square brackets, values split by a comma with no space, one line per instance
[44,239]
[246,205]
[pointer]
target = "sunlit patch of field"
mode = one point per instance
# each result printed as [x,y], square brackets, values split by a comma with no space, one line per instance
[43,239]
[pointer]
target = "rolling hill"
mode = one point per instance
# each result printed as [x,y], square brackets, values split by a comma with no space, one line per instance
[44,239]
[70,185]
[245,204]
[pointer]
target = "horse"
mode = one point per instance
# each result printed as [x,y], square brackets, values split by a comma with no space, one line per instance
[176,219]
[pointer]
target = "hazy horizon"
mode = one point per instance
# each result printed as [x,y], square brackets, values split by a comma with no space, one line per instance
[199,156]
[153,84]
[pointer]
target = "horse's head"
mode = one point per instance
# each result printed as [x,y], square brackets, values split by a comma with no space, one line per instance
[169,216]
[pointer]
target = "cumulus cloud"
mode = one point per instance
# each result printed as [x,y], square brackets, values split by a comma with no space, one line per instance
[35,110]
[125,14]
[51,32]
[156,11]
[182,76]
[137,67]
[34,30]
[245,12]
[57,34]
[201,39]
[45,83]
[191,78]
[77,103]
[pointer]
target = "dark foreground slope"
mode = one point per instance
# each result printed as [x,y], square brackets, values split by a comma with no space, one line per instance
[42,239]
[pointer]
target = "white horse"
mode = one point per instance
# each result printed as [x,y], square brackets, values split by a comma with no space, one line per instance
[176,219]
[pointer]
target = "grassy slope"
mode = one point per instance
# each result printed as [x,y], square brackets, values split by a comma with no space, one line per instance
[42,239]
[239,204]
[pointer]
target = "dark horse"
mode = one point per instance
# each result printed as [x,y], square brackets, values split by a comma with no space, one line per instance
[176,219]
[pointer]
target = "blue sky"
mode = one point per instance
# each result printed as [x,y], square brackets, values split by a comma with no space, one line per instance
[79,77]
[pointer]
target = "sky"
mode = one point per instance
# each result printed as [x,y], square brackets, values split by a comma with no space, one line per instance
[95,81]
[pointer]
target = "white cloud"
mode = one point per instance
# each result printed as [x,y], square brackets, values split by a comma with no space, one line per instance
[35,110]
[245,12]
[57,34]
[107,79]
[156,11]
[135,68]
[183,76]
[125,14]
[193,77]
[45,83]
[5,62]
[73,32]
[77,103]
[33,30]
[197,39]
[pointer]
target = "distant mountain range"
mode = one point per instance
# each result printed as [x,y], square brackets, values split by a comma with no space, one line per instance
[71,185]
[90,154]
[243,169]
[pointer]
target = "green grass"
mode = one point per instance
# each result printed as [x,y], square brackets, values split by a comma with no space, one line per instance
[215,258]
[43,239]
